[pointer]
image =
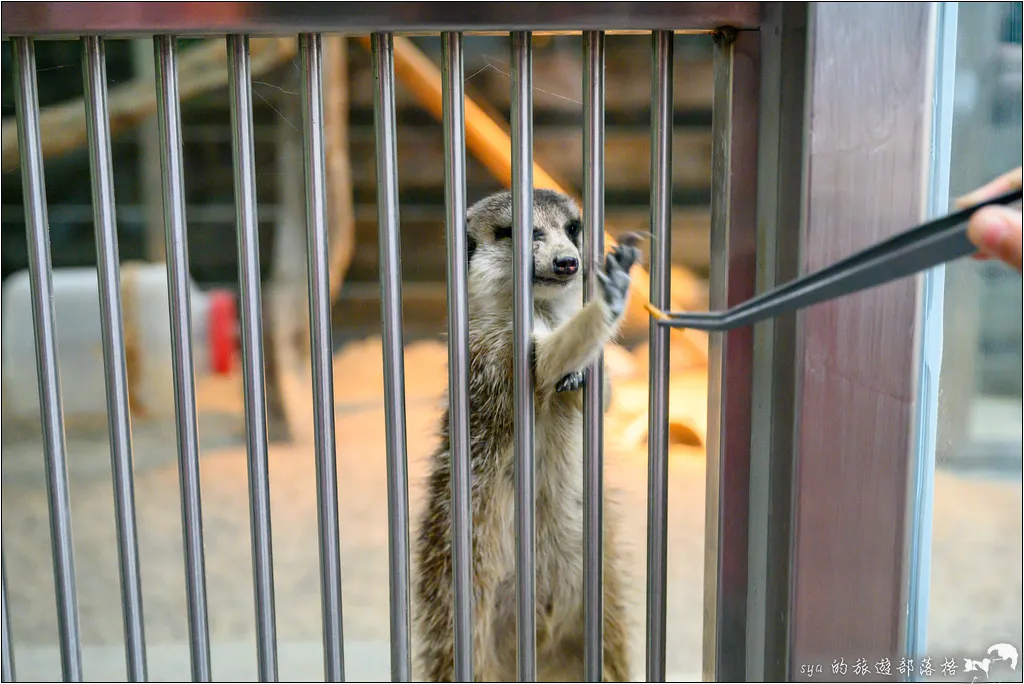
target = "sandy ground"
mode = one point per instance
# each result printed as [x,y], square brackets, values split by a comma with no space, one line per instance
[976,579]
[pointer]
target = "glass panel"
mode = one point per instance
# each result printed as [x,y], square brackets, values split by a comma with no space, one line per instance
[975,592]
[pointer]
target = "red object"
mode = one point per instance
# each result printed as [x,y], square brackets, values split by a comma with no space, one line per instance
[222,325]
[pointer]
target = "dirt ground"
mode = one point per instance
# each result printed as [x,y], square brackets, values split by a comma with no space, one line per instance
[975,584]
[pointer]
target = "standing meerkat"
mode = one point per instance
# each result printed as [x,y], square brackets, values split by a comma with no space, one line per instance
[567,337]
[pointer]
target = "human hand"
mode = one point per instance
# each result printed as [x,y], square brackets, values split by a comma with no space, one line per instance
[996,230]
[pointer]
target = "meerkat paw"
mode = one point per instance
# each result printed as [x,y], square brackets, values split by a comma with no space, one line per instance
[615,279]
[572,382]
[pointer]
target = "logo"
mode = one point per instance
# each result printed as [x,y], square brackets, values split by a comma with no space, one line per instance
[997,653]
[1004,652]
[994,666]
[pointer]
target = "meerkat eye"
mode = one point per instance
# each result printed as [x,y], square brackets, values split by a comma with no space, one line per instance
[573,229]
[503,233]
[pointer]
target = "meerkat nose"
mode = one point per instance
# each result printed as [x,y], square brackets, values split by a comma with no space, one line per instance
[566,265]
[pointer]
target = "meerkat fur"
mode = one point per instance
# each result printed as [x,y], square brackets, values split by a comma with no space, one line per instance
[567,337]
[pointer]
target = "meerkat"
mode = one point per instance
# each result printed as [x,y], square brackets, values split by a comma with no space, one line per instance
[567,337]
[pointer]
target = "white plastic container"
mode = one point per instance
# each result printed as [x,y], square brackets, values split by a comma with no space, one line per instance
[146,323]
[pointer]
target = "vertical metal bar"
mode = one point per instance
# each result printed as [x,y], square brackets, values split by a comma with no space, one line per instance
[593,393]
[734,264]
[311,49]
[454,120]
[6,645]
[44,324]
[169,115]
[657,447]
[778,114]
[247,225]
[94,69]
[394,359]
[522,283]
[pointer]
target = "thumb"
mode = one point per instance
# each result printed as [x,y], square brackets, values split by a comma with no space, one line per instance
[996,231]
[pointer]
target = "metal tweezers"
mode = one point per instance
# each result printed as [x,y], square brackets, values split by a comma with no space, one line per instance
[920,248]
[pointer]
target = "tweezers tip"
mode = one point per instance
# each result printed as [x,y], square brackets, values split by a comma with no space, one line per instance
[656,312]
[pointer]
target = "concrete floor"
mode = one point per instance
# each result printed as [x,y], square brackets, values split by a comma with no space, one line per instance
[976,574]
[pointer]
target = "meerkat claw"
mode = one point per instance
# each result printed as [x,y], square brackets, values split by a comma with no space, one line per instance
[572,382]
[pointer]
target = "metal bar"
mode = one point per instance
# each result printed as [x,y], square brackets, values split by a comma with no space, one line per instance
[169,116]
[254,387]
[6,645]
[44,324]
[657,443]
[782,45]
[187,19]
[593,392]
[734,263]
[394,359]
[454,121]
[118,418]
[311,53]
[522,319]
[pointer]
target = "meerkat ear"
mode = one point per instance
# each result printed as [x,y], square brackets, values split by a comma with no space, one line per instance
[470,249]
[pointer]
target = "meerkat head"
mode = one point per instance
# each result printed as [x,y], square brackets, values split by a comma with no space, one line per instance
[557,243]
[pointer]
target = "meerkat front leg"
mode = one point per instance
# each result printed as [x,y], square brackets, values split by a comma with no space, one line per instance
[578,380]
[579,341]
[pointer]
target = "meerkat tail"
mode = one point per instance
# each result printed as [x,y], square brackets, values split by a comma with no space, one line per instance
[574,344]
